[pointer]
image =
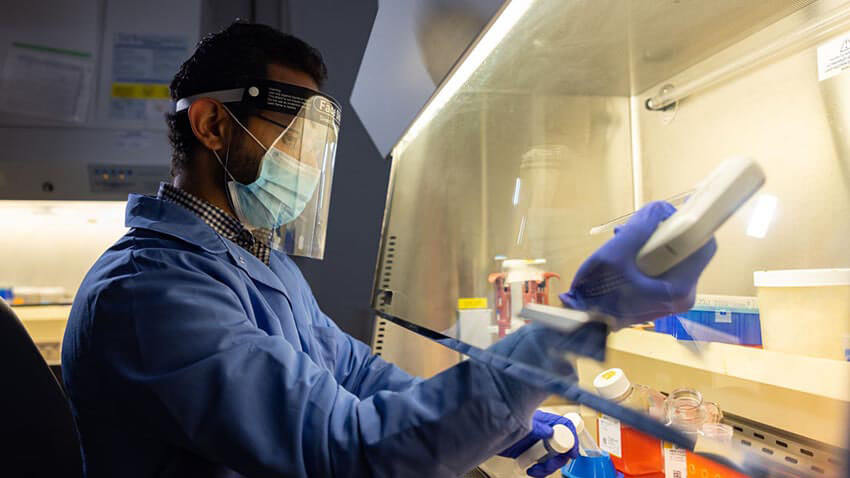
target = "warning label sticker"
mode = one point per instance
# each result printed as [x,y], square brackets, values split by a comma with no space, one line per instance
[610,438]
[675,463]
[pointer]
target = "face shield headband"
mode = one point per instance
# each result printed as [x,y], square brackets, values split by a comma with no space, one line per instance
[278,97]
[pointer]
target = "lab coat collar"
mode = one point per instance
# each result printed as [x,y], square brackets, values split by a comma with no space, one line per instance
[146,212]
[254,267]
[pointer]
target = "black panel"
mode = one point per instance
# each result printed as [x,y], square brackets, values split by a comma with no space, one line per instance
[342,282]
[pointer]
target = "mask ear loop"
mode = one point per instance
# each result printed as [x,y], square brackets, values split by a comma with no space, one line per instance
[226,159]
[252,134]
[227,172]
[246,129]
[224,164]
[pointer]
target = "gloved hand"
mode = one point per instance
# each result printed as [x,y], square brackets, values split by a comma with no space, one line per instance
[541,428]
[610,281]
[534,348]
[544,349]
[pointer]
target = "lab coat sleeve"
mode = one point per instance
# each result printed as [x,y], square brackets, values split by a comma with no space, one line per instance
[186,364]
[359,370]
[356,368]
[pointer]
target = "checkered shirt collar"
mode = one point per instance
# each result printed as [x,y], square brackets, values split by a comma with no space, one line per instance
[222,223]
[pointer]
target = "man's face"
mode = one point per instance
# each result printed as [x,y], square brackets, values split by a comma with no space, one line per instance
[245,154]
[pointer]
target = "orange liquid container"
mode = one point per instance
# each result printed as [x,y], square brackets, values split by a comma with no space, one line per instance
[701,467]
[641,455]
[633,453]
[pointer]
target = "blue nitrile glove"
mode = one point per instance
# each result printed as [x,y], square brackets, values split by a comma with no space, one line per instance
[541,348]
[541,428]
[610,281]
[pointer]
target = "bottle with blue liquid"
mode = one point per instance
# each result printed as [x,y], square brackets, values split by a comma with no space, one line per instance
[592,461]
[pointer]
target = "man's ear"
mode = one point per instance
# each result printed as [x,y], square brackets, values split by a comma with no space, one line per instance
[210,123]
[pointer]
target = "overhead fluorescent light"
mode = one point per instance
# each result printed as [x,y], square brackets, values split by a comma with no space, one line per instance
[498,28]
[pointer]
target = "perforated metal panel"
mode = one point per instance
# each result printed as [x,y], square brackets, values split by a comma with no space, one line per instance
[793,453]
[384,295]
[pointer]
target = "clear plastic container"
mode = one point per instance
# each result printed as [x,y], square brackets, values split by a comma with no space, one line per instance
[633,453]
[717,432]
[586,442]
[804,311]
[686,410]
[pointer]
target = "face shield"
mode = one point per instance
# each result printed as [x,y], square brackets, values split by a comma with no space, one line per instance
[286,206]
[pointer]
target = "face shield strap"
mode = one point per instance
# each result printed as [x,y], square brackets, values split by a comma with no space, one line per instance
[279,97]
[225,96]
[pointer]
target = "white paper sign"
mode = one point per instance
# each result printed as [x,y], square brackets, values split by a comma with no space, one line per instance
[46,82]
[833,57]
[610,438]
[142,68]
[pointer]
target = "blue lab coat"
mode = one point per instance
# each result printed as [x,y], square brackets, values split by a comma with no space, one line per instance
[186,356]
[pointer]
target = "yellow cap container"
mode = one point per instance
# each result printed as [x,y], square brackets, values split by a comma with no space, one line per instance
[805,311]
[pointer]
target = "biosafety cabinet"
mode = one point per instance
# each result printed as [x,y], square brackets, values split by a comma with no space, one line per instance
[561,120]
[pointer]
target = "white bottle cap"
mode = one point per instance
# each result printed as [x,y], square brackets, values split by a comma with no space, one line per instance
[577,421]
[562,439]
[612,383]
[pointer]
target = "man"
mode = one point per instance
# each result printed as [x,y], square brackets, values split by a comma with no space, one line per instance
[195,347]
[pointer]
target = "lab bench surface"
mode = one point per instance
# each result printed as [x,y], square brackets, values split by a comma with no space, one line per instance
[46,326]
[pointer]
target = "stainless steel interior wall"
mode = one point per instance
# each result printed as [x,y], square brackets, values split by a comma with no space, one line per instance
[450,214]
[452,209]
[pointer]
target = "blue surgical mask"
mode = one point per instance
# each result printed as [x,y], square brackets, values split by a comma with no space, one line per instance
[279,194]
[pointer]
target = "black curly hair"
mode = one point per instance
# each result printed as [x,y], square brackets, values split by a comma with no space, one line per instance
[221,60]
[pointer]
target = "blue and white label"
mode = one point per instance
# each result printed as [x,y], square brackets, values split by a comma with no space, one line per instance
[722,317]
